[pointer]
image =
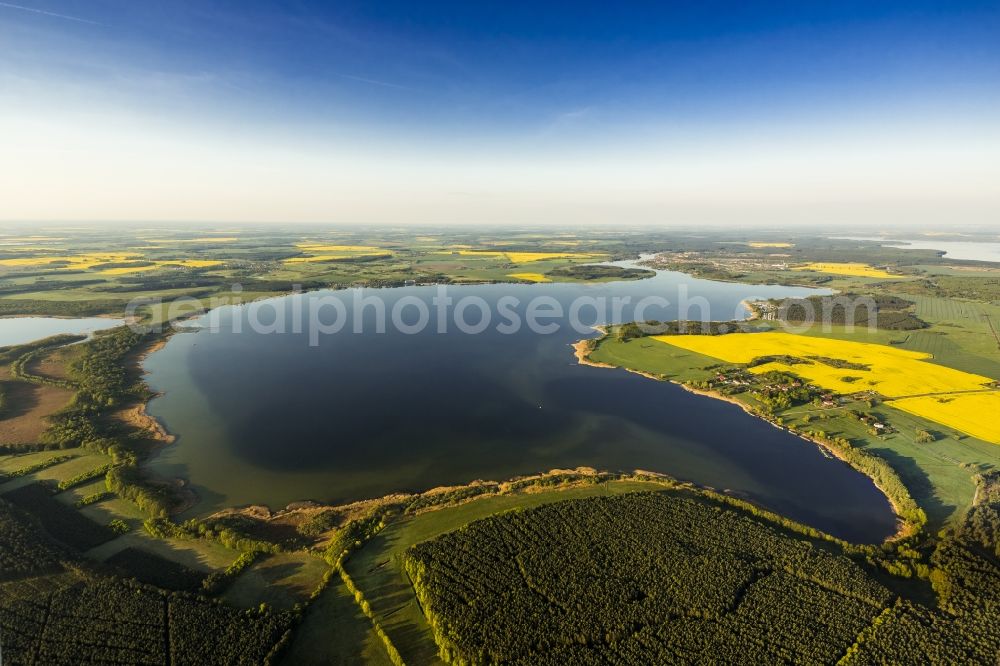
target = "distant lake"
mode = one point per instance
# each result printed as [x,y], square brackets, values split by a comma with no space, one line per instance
[19,330]
[964,250]
[267,418]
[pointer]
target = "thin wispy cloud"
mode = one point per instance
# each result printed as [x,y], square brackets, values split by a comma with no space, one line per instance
[574,114]
[566,121]
[43,12]
[374,82]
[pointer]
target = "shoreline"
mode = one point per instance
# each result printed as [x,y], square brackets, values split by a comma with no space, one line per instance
[136,414]
[731,280]
[162,436]
[104,315]
[582,349]
[904,529]
[530,484]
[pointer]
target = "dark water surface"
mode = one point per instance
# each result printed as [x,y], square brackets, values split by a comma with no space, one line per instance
[267,418]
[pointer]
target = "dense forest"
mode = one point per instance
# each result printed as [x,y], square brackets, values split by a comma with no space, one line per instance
[664,578]
[23,550]
[600,272]
[80,308]
[57,608]
[884,311]
[985,289]
[633,330]
[61,521]
[91,619]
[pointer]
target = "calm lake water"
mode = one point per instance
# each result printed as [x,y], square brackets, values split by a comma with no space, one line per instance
[964,250]
[19,330]
[266,418]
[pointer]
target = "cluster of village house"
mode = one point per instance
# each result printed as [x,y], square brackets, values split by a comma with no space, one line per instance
[873,422]
[765,310]
[742,379]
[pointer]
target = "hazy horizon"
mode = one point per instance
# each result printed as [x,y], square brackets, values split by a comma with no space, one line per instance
[464,114]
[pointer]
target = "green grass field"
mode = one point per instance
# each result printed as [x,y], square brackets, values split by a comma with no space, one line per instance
[655,357]
[280,580]
[13,463]
[334,632]
[198,554]
[82,461]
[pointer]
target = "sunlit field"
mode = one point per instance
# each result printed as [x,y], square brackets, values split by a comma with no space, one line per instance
[850,269]
[761,244]
[849,367]
[528,257]
[530,277]
[977,414]
[120,263]
[321,252]
[73,261]
[321,247]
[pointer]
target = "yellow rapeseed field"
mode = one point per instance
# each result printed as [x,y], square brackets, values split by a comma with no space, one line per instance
[317,258]
[973,413]
[906,377]
[527,257]
[340,252]
[320,247]
[73,261]
[766,244]
[849,269]
[479,253]
[98,259]
[530,277]
[892,372]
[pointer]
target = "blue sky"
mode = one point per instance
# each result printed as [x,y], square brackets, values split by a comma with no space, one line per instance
[534,111]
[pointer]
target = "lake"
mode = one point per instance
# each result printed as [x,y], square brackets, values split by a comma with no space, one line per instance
[962,250]
[264,416]
[19,330]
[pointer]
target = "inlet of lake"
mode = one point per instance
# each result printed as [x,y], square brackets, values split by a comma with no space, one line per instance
[263,416]
[19,330]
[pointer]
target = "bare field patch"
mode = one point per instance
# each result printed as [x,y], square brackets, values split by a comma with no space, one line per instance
[27,407]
